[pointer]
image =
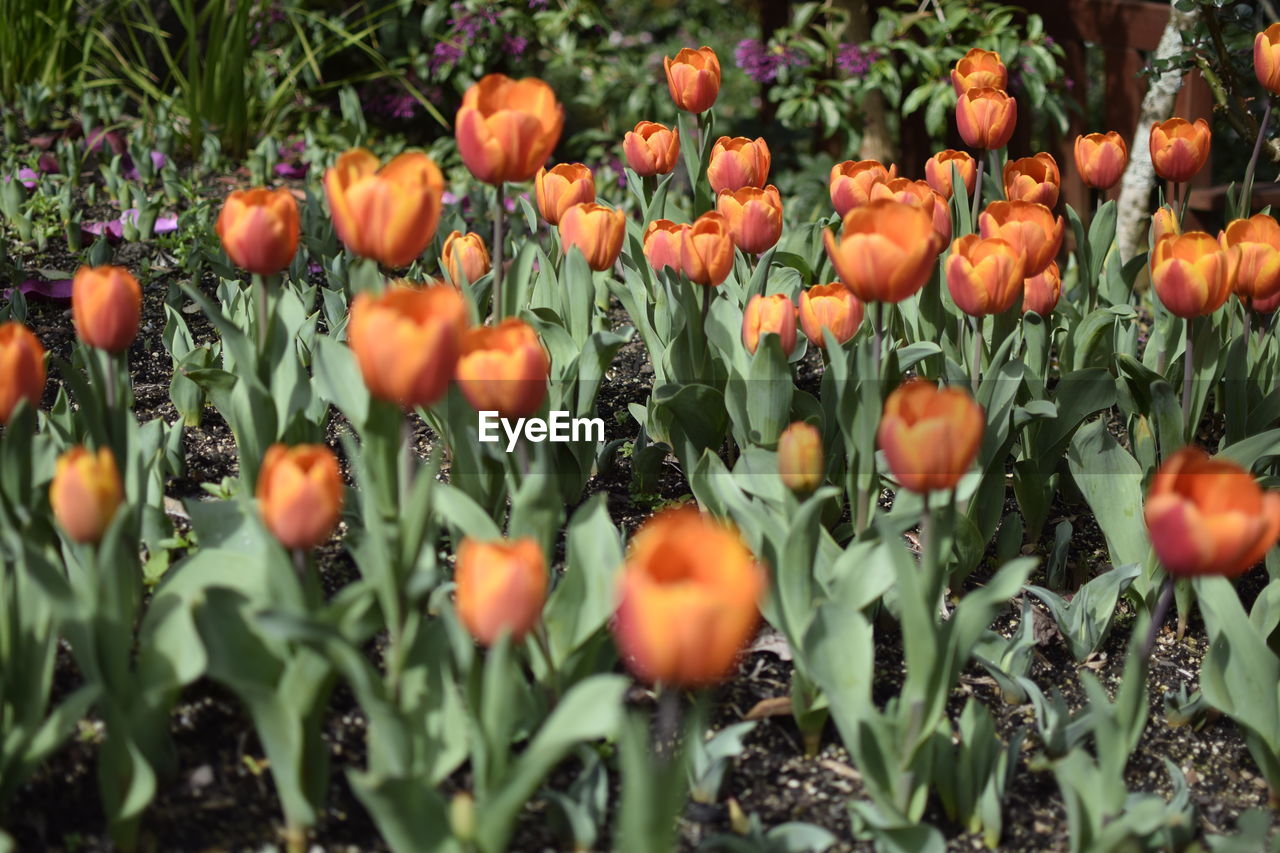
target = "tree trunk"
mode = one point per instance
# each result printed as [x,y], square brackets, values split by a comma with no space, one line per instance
[877,143]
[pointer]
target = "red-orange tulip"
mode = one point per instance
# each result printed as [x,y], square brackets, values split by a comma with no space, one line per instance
[1257,278]
[755,217]
[986,118]
[1101,159]
[561,187]
[984,275]
[504,369]
[1179,148]
[829,306]
[388,214]
[886,250]
[1209,516]
[259,229]
[851,182]
[300,494]
[406,341]
[919,194]
[737,163]
[688,600]
[930,436]
[800,459]
[1266,306]
[1033,179]
[663,240]
[774,314]
[706,250]
[22,370]
[937,171]
[1164,221]
[1040,292]
[1030,228]
[596,230]
[979,69]
[85,493]
[506,129]
[106,304]
[693,78]
[1266,58]
[464,257]
[651,149]
[501,587]
[1192,273]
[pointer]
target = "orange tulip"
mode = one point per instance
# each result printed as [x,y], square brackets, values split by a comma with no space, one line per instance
[886,250]
[1101,159]
[937,171]
[1179,148]
[755,217]
[986,118]
[919,194]
[406,341]
[506,129]
[776,315]
[1266,58]
[1266,306]
[688,600]
[800,459]
[737,163]
[663,240]
[22,370]
[596,230]
[851,182]
[388,214]
[706,250]
[1257,278]
[1209,516]
[259,229]
[561,188]
[464,257]
[300,494]
[984,275]
[1164,221]
[651,149]
[106,304]
[85,493]
[1192,273]
[979,69]
[501,587]
[504,369]
[829,306]
[693,78]
[930,436]
[1040,292]
[1029,227]
[1033,179]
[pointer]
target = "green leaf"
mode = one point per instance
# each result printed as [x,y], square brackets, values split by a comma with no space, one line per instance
[1111,482]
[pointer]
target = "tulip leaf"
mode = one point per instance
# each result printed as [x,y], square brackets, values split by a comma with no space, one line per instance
[1086,617]
[410,813]
[1111,482]
[582,601]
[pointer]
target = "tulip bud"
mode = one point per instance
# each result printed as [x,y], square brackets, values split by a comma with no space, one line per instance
[984,275]
[930,436]
[651,149]
[501,587]
[706,250]
[1101,159]
[937,171]
[1179,148]
[390,214]
[1033,179]
[464,257]
[737,163]
[829,306]
[106,304]
[85,493]
[1266,58]
[300,494]
[662,244]
[1040,292]
[406,341]
[506,129]
[504,368]
[979,69]
[688,600]
[851,182]
[693,78]
[1192,273]
[1209,516]
[561,188]
[800,460]
[919,194]
[1164,221]
[886,250]
[596,230]
[776,315]
[22,370]
[1257,240]
[259,229]
[1029,228]
[754,215]
[986,118]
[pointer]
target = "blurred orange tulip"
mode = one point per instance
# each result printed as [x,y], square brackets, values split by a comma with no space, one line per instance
[300,494]
[737,163]
[663,240]
[388,214]
[937,171]
[406,341]
[561,187]
[930,436]
[1033,179]
[829,306]
[706,250]
[596,230]
[1101,159]
[984,275]
[1030,228]
[774,314]
[1164,221]
[800,459]
[464,257]
[259,229]
[85,493]
[986,118]
[651,149]
[688,600]
[1266,58]
[979,69]
[886,250]
[22,370]
[106,304]
[500,587]
[1040,292]
[1258,239]
[1209,516]
[1266,306]
[755,217]
[693,78]
[919,194]
[506,129]
[1192,273]
[851,182]
[504,369]
[1179,148]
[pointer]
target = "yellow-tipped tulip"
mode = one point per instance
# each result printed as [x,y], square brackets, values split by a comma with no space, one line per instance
[300,494]
[85,493]
[1179,148]
[464,257]
[259,229]
[22,370]
[561,187]
[886,250]
[596,230]
[500,587]
[106,304]
[506,129]
[800,460]
[504,369]
[387,214]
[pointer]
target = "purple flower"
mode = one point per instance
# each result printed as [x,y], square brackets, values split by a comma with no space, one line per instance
[516,45]
[762,63]
[444,55]
[537,4]
[852,59]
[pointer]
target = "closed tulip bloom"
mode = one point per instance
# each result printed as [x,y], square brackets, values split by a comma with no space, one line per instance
[706,250]
[259,229]
[986,118]
[1040,292]
[651,149]
[504,369]
[1266,58]
[561,187]
[693,78]
[937,171]
[774,314]
[919,194]
[984,275]
[829,306]
[1258,241]
[1033,179]
[1101,159]
[979,69]
[85,493]
[688,600]
[406,341]
[22,370]
[851,182]
[390,214]
[1209,516]
[300,494]
[1179,148]
[500,587]
[1030,228]
[596,230]
[929,435]
[800,459]
[737,163]
[464,257]
[1192,273]
[886,250]
[506,129]
[755,217]
[1164,221]
[663,242]
[106,304]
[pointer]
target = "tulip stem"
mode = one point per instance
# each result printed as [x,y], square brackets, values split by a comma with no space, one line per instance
[260,297]
[877,335]
[540,640]
[929,553]
[667,724]
[497,252]
[1157,618]
[109,382]
[406,461]
[1246,189]
[975,369]
[1187,370]
[977,196]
